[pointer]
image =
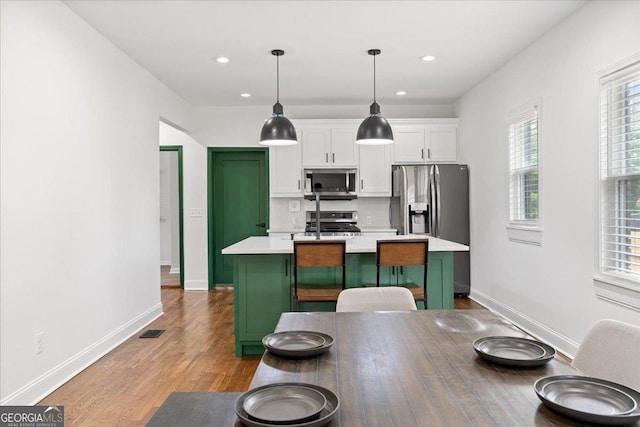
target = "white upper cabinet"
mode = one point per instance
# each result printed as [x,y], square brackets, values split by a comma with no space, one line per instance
[316,145]
[375,171]
[425,141]
[442,143]
[285,171]
[344,151]
[329,147]
[409,145]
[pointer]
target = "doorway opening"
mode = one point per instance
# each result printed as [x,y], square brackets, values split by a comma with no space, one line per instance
[238,203]
[171,217]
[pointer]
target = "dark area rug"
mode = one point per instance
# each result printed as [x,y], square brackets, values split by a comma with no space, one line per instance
[195,410]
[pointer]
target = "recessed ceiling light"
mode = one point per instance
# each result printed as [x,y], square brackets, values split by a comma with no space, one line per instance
[401,93]
[222,59]
[427,58]
[245,95]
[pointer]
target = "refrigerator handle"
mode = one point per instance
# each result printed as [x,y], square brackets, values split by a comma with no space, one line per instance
[404,210]
[437,199]
[430,199]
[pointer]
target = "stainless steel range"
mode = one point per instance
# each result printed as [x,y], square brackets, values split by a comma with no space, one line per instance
[333,223]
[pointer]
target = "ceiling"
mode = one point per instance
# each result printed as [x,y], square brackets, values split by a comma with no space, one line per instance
[325,44]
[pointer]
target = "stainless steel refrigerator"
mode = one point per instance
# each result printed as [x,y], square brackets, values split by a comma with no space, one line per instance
[434,200]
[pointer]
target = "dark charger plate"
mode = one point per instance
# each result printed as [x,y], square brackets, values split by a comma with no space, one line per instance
[297,343]
[592,400]
[326,415]
[513,351]
[285,404]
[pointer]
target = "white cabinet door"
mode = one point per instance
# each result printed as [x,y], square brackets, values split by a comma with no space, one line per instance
[442,143]
[285,171]
[425,143]
[329,147]
[344,151]
[316,148]
[375,171]
[409,146]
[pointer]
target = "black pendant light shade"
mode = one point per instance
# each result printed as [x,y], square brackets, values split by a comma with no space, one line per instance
[277,129]
[375,129]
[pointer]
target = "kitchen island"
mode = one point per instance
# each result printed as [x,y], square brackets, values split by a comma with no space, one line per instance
[262,278]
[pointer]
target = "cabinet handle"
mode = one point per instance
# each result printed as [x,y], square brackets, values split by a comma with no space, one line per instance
[428,153]
[298,184]
[361,184]
[326,157]
[286,267]
[393,270]
[333,157]
[401,271]
[422,153]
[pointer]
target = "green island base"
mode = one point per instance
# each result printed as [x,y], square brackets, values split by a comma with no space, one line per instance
[263,289]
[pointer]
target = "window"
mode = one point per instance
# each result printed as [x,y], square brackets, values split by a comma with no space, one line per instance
[620,176]
[524,194]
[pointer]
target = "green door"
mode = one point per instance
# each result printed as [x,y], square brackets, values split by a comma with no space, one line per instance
[239,204]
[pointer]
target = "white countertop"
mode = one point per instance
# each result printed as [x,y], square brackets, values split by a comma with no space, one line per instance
[378,230]
[362,230]
[285,230]
[357,244]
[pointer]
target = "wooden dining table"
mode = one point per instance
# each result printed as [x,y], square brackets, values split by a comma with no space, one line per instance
[416,368]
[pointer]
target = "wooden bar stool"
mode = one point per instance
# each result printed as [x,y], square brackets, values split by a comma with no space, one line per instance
[314,254]
[401,253]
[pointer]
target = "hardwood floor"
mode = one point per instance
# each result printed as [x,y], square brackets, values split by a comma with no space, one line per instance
[195,353]
[169,279]
[465,303]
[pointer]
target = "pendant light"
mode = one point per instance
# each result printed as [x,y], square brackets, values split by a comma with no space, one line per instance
[277,129]
[375,129]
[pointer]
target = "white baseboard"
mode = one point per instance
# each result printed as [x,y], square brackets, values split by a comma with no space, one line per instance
[44,385]
[174,270]
[541,331]
[196,285]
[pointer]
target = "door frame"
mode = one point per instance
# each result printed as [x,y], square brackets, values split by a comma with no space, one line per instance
[211,157]
[178,149]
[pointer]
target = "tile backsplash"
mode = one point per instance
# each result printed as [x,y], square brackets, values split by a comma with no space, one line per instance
[373,212]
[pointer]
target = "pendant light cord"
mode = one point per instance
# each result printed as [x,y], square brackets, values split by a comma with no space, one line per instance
[277,78]
[374,78]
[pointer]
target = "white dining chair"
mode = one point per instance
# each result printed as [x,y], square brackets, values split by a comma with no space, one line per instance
[385,298]
[611,351]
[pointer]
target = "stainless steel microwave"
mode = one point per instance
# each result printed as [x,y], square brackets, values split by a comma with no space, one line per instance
[331,184]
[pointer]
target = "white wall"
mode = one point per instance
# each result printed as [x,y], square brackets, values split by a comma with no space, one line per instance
[175,210]
[79,241]
[194,170]
[169,210]
[165,208]
[547,289]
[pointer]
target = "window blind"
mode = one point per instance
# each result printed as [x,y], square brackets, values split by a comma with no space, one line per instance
[523,168]
[620,172]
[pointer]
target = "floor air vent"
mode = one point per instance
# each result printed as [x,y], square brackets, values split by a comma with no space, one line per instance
[152,333]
